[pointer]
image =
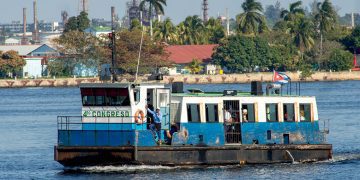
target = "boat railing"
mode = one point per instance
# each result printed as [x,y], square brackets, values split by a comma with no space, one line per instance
[324,127]
[101,123]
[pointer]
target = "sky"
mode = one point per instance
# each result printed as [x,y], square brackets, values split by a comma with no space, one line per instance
[177,10]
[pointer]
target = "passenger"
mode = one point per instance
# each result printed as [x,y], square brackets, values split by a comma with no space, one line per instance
[156,126]
[302,116]
[169,133]
[149,116]
[228,124]
[286,117]
[244,115]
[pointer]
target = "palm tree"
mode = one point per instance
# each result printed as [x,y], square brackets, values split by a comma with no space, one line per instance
[325,19]
[195,66]
[214,31]
[251,20]
[302,34]
[295,10]
[191,30]
[156,5]
[166,32]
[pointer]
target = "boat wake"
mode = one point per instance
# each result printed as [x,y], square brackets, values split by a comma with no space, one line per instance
[130,169]
[345,157]
[338,158]
[118,169]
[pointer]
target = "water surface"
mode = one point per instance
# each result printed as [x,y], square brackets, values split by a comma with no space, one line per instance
[28,134]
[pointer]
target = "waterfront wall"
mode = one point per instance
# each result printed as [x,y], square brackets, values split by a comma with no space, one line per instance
[63,82]
[188,79]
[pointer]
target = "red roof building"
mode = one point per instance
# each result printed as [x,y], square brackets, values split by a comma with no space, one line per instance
[184,54]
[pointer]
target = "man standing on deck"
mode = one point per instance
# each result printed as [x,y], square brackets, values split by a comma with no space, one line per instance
[156,127]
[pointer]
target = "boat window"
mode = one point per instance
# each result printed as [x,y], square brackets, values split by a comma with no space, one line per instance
[105,97]
[271,112]
[248,113]
[164,99]
[175,112]
[193,112]
[136,96]
[305,112]
[289,113]
[211,113]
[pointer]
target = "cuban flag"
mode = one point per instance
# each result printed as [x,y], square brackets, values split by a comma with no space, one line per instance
[280,78]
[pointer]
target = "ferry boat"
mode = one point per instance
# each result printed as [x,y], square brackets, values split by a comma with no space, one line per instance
[197,128]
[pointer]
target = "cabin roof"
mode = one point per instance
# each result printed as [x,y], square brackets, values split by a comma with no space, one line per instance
[103,85]
[117,85]
[220,94]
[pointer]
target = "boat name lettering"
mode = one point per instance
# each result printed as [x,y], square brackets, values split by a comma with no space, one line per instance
[106,114]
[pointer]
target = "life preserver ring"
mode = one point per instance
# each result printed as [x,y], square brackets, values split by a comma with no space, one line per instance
[139,117]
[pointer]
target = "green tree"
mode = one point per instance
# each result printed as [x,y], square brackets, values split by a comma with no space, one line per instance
[251,21]
[340,60]
[166,32]
[325,19]
[243,54]
[302,33]
[78,48]
[153,55]
[156,5]
[11,62]
[294,11]
[352,41]
[135,24]
[191,31]
[195,66]
[215,31]
[79,23]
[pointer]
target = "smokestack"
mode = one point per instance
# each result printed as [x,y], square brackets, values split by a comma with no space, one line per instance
[113,44]
[83,6]
[24,39]
[205,10]
[352,20]
[36,28]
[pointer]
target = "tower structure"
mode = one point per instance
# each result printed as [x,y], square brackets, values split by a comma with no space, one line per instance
[205,8]
[35,33]
[64,17]
[24,39]
[84,6]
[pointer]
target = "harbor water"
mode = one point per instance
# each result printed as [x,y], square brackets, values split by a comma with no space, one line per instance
[28,133]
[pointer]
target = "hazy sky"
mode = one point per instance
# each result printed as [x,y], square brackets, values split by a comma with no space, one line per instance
[177,10]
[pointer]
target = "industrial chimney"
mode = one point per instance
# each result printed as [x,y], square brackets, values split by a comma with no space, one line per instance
[24,39]
[35,35]
[205,10]
[352,20]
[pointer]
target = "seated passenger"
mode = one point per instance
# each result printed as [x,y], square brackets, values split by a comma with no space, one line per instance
[244,115]
[169,133]
[302,116]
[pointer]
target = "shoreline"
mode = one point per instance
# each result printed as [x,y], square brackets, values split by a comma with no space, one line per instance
[187,79]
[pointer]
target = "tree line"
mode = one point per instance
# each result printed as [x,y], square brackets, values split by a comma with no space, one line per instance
[282,39]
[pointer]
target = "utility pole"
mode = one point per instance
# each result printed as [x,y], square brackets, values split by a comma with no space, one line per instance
[113,44]
[227,22]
